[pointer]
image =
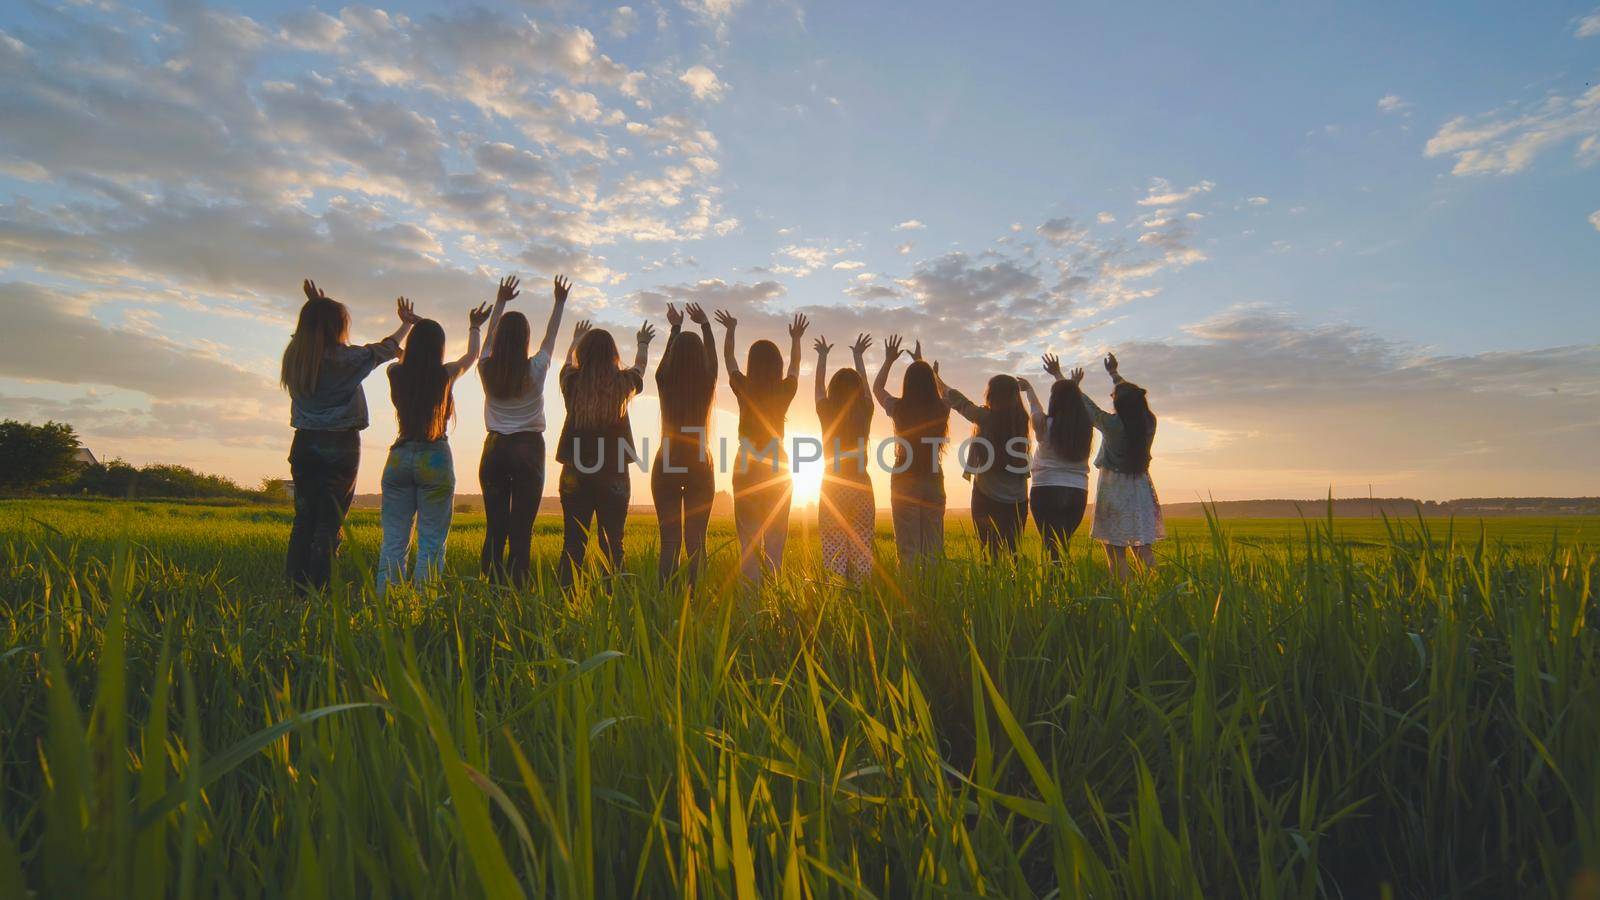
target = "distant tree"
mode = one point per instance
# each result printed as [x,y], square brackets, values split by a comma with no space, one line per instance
[36,456]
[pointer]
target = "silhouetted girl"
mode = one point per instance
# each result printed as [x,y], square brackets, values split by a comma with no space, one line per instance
[922,425]
[596,444]
[682,480]
[419,478]
[511,471]
[762,486]
[846,512]
[327,409]
[1060,468]
[1127,512]
[997,462]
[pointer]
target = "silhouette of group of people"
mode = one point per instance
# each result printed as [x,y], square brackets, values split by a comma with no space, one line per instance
[1020,458]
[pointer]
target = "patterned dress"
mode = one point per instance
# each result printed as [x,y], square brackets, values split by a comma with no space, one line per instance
[848,517]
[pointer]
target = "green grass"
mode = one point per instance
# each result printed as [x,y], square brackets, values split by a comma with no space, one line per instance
[1335,708]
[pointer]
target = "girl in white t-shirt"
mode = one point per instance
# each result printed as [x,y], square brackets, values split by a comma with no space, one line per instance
[511,471]
[1060,466]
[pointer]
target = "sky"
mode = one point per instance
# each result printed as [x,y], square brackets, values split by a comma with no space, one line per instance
[1351,250]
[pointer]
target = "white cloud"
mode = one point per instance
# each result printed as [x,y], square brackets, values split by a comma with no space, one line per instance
[1162,193]
[909,225]
[1258,201]
[703,83]
[1506,142]
[904,248]
[1594,219]
[1588,26]
[849,264]
[1392,103]
[1105,218]
[622,22]
[1062,231]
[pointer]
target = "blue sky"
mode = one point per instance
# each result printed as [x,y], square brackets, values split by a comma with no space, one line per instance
[1343,248]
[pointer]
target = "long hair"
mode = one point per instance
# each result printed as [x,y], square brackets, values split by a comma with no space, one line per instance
[921,414]
[1008,420]
[1138,424]
[505,370]
[420,386]
[1070,427]
[763,368]
[598,392]
[323,325]
[849,408]
[687,384]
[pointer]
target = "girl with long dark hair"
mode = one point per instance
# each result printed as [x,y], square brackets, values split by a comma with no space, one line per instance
[596,444]
[996,460]
[762,486]
[921,420]
[511,471]
[1127,512]
[682,481]
[1060,469]
[328,409]
[846,513]
[419,478]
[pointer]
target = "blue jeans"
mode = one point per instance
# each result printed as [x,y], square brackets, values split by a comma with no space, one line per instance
[419,483]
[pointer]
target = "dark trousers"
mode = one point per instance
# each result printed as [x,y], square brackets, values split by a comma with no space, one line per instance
[597,499]
[323,466]
[1058,511]
[511,474]
[683,508]
[997,523]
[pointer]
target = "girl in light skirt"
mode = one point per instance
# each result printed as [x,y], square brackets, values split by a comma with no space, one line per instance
[1127,513]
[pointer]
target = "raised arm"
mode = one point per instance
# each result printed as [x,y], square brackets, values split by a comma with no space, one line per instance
[1111,369]
[797,331]
[708,341]
[562,285]
[822,347]
[408,317]
[1033,401]
[880,384]
[858,351]
[506,293]
[1097,416]
[728,323]
[641,357]
[475,319]
[675,323]
[583,327]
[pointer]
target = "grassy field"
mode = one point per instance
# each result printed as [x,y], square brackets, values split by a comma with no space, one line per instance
[1327,708]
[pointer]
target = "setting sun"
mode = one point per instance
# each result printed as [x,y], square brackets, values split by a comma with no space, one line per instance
[807,474]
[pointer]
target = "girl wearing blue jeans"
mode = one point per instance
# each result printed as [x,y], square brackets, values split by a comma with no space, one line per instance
[419,479]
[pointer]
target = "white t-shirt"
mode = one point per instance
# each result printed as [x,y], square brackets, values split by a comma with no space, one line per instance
[524,412]
[1050,470]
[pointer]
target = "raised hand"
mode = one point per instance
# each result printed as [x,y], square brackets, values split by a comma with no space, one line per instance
[1077,375]
[891,347]
[478,315]
[696,314]
[312,291]
[562,284]
[581,329]
[1111,364]
[508,289]
[646,333]
[725,320]
[822,346]
[674,318]
[916,352]
[1052,364]
[862,345]
[798,326]
[406,310]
